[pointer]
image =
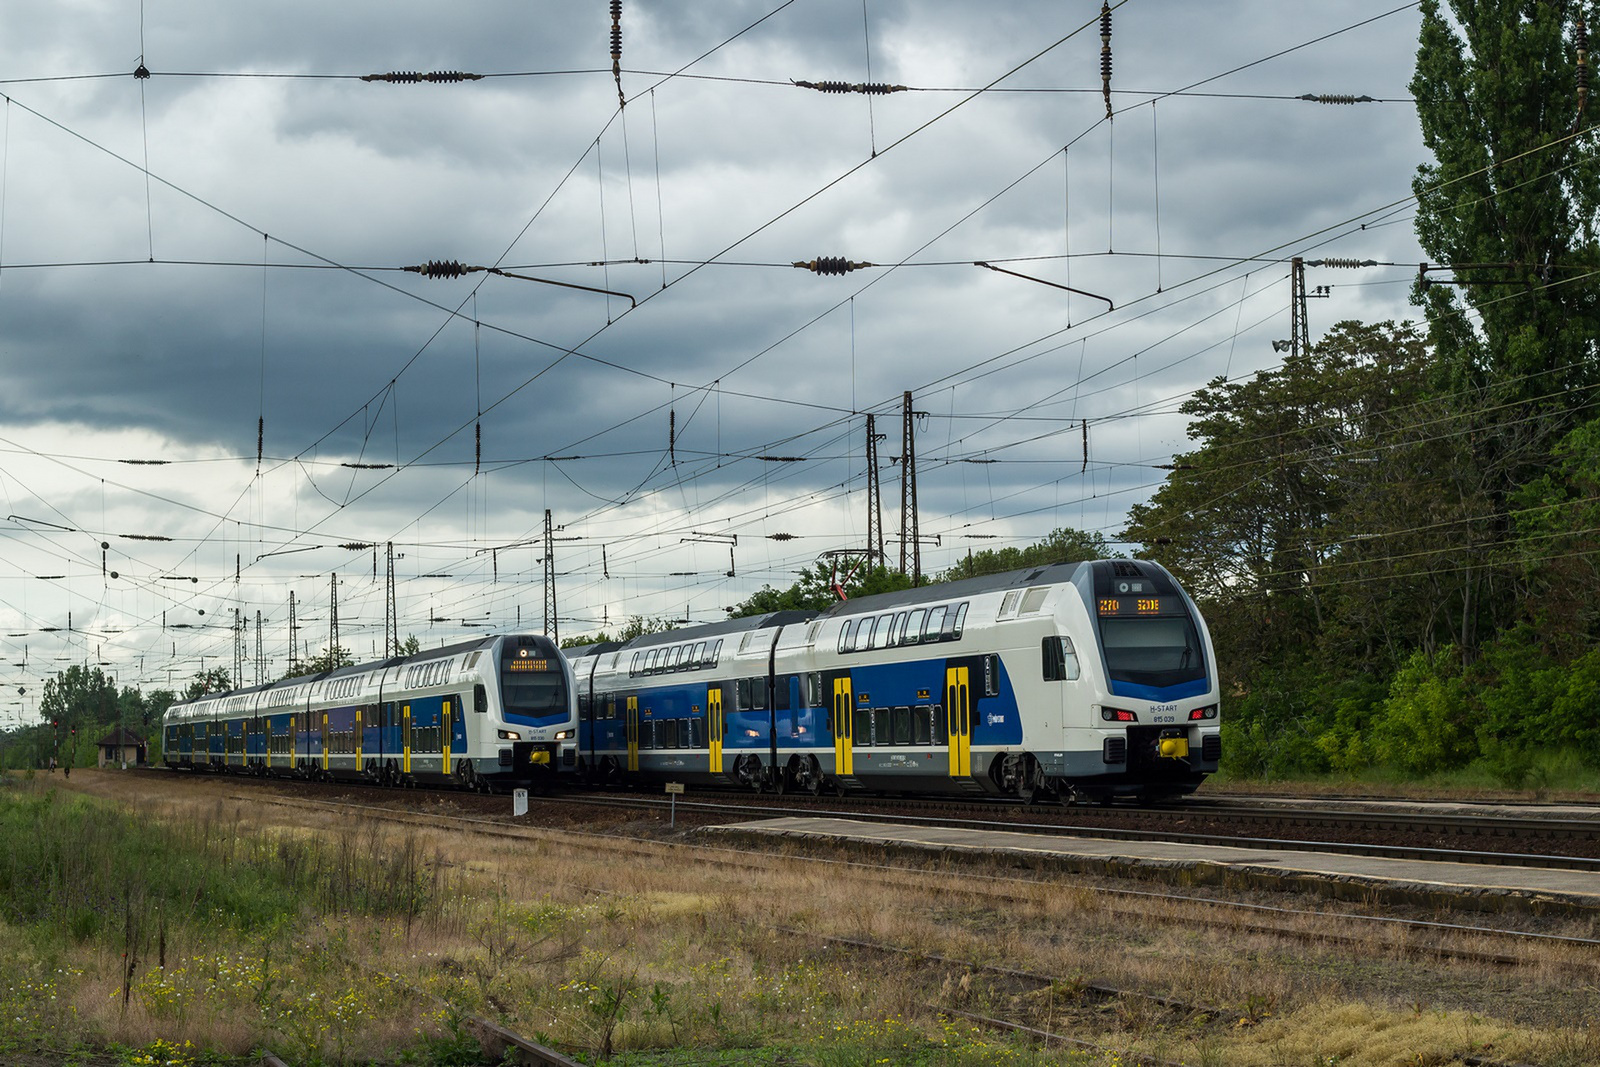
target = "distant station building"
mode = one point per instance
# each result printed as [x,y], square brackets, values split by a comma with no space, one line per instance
[121,747]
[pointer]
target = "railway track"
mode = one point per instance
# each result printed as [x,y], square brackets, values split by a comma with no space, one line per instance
[1565,844]
[1402,936]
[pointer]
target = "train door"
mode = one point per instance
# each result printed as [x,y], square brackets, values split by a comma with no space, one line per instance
[444,734]
[843,706]
[405,738]
[716,726]
[327,740]
[633,733]
[958,706]
[294,735]
[360,738]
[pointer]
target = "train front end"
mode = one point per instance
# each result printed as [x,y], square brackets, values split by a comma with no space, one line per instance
[537,725]
[1154,703]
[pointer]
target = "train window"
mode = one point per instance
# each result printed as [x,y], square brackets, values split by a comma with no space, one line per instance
[697,657]
[953,624]
[780,692]
[480,698]
[1008,604]
[880,632]
[814,690]
[741,694]
[758,694]
[861,730]
[633,665]
[898,631]
[675,658]
[935,623]
[902,726]
[714,653]
[991,675]
[1053,661]
[853,632]
[922,725]
[1033,599]
[1070,654]
[913,630]
[941,726]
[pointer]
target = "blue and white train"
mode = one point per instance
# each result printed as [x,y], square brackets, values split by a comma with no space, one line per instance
[1090,680]
[479,714]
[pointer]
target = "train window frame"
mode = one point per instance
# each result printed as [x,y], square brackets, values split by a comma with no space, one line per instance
[861,726]
[633,665]
[758,693]
[698,656]
[715,653]
[941,727]
[933,627]
[814,689]
[955,623]
[480,699]
[922,724]
[882,629]
[912,634]
[780,692]
[902,725]
[1052,659]
[897,629]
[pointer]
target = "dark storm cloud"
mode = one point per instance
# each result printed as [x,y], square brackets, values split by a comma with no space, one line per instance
[750,356]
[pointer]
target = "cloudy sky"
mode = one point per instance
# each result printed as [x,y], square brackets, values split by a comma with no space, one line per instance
[220,248]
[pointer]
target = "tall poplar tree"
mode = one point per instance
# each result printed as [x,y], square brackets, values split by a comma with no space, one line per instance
[1509,205]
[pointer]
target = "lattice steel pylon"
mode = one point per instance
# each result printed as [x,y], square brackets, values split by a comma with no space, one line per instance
[391,612]
[550,629]
[910,542]
[333,619]
[874,496]
[1299,331]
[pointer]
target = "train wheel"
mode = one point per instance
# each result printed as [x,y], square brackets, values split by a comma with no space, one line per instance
[808,775]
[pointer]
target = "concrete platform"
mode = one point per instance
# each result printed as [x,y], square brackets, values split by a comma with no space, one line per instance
[1472,886]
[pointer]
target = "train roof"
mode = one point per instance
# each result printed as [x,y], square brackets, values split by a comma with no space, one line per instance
[720,629]
[1050,574]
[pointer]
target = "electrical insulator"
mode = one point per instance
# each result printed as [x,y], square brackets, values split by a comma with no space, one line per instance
[1337,98]
[616,50]
[831,265]
[141,71]
[437,268]
[411,77]
[1334,261]
[1105,54]
[1580,36]
[869,88]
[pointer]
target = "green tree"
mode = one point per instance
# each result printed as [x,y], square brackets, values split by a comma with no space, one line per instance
[327,660]
[637,626]
[814,591]
[79,697]
[1514,186]
[1061,546]
[214,680]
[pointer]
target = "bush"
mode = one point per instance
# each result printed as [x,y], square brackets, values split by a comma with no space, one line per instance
[1425,726]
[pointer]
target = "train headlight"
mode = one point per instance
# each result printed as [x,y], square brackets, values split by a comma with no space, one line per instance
[1203,713]
[510,735]
[562,735]
[1118,715]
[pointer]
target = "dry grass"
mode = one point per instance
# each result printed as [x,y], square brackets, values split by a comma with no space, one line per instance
[616,946]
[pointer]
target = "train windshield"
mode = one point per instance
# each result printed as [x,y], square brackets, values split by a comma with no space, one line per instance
[533,687]
[1157,652]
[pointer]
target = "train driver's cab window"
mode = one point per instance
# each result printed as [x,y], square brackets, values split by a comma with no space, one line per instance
[1060,659]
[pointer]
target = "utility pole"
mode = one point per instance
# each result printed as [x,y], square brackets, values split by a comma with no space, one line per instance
[238,648]
[391,613]
[550,628]
[874,497]
[333,620]
[261,660]
[1299,332]
[909,540]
